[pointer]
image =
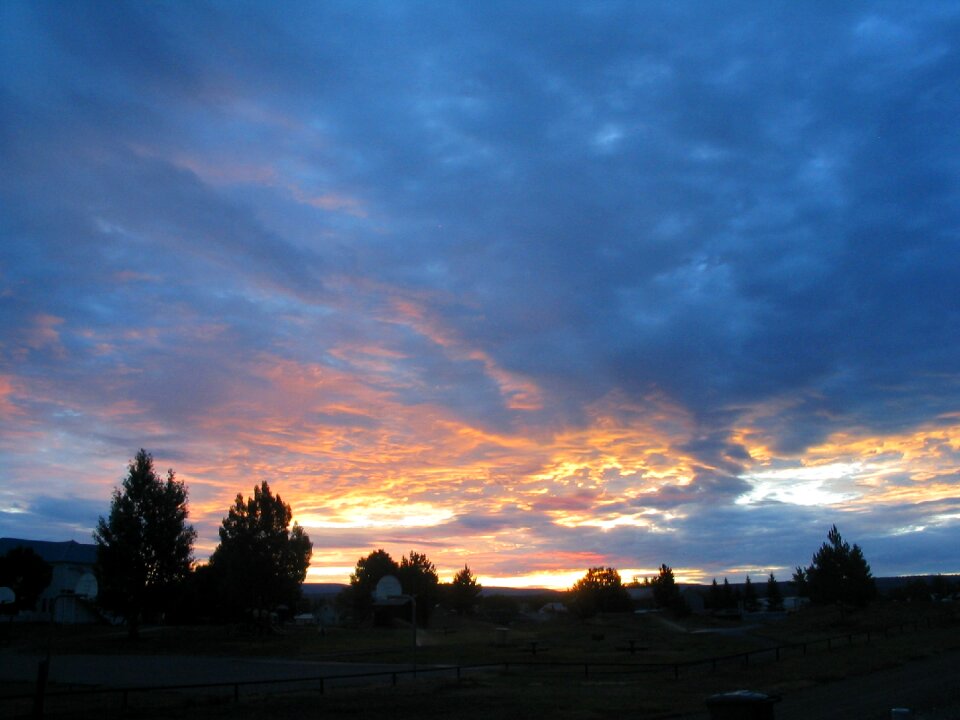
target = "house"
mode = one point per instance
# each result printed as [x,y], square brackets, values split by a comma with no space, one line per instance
[73,585]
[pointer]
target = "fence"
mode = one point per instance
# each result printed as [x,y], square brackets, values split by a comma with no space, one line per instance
[120,699]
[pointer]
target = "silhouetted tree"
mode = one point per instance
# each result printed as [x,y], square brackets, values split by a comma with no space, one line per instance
[261,562]
[27,574]
[714,597]
[750,602]
[464,591]
[941,588]
[774,596]
[418,577]
[799,581]
[363,581]
[666,593]
[600,590]
[728,595]
[839,574]
[145,546]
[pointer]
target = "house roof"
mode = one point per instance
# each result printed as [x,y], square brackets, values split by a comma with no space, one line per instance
[54,553]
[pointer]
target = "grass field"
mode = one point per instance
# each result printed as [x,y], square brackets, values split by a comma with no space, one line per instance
[551,687]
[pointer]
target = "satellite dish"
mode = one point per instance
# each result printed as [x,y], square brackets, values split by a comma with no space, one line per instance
[388,587]
[7,596]
[87,586]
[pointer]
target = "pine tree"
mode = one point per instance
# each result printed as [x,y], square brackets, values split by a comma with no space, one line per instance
[144,546]
[774,597]
[464,591]
[839,573]
[750,602]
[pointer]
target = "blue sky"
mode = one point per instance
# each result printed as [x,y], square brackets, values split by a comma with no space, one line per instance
[534,287]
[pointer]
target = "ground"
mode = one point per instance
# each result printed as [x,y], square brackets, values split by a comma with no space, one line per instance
[908,659]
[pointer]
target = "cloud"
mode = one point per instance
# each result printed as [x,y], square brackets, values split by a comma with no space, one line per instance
[574,277]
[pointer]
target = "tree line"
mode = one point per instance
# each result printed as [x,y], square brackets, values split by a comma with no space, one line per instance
[838,574]
[146,570]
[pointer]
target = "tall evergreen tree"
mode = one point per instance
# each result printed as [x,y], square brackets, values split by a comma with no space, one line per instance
[750,602]
[261,561]
[774,596]
[839,573]
[729,600]
[715,597]
[144,546]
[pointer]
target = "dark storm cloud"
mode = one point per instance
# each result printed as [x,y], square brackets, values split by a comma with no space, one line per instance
[748,212]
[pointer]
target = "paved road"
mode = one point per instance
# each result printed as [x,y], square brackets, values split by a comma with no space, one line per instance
[930,687]
[119,671]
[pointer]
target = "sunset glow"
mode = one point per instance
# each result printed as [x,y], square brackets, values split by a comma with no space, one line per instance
[531,289]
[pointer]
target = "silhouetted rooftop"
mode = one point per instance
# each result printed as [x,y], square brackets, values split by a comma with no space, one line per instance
[69,551]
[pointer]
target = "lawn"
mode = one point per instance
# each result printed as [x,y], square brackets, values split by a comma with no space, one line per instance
[588,690]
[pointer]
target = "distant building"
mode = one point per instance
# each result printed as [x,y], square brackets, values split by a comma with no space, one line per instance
[694,600]
[73,579]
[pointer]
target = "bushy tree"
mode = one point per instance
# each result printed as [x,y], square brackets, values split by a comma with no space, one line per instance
[464,591]
[774,596]
[418,577]
[369,570]
[261,561]
[600,590]
[145,546]
[666,592]
[838,573]
[27,574]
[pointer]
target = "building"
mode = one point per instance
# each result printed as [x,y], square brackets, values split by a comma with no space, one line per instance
[73,585]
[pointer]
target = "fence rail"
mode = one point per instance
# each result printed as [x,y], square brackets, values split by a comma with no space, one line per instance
[321,683]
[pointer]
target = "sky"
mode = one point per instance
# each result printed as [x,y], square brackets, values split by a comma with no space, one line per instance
[531,287]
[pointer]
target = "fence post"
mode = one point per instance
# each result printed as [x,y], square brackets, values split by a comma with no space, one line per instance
[394,679]
[676,671]
[43,671]
[236,692]
[778,654]
[323,690]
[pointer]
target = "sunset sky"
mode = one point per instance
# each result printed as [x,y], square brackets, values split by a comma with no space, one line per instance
[531,287]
